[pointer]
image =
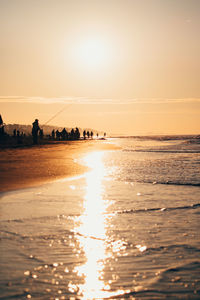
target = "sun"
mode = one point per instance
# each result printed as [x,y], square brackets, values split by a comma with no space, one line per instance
[93,53]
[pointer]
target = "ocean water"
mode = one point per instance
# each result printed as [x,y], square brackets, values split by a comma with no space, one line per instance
[127,229]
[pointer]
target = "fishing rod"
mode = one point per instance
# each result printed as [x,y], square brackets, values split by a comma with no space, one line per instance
[56,114]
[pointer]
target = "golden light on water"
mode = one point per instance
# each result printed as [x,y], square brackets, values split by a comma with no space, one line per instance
[92,229]
[91,233]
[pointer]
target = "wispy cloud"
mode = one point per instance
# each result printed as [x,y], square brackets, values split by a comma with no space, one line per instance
[87,100]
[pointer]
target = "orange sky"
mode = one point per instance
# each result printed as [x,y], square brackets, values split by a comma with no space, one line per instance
[127,67]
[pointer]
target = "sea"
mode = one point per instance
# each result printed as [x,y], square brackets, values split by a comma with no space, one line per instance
[129,228]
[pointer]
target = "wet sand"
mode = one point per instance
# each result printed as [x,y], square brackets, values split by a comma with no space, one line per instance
[31,166]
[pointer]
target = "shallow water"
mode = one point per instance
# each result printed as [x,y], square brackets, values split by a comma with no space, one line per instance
[129,228]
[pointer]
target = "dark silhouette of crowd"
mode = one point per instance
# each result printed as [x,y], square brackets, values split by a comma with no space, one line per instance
[37,134]
[64,135]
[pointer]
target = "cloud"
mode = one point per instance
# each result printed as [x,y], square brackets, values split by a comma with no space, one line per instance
[86,100]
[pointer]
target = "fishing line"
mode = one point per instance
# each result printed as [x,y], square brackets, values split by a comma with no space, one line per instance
[61,110]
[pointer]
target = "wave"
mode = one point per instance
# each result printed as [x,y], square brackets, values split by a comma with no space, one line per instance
[185,247]
[163,137]
[161,209]
[15,296]
[146,293]
[9,235]
[167,182]
[161,151]
[176,183]
[42,218]
[165,285]
[195,265]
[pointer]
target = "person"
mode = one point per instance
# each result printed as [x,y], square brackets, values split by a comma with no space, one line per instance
[19,137]
[15,133]
[1,120]
[53,134]
[57,134]
[35,130]
[77,134]
[2,132]
[84,134]
[41,133]
[64,134]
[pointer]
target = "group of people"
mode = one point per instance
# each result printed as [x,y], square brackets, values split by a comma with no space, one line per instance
[37,134]
[64,135]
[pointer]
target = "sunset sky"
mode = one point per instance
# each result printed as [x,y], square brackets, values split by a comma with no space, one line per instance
[121,66]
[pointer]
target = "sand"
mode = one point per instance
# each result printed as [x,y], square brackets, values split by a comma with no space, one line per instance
[31,166]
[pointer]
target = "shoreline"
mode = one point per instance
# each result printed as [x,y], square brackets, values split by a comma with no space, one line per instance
[32,166]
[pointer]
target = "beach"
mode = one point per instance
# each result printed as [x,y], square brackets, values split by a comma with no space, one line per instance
[35,165]
[99,224]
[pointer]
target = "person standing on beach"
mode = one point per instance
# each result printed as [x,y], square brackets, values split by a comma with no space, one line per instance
[35,130]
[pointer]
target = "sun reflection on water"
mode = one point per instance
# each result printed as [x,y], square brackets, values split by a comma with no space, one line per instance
[92,229]
[91,232]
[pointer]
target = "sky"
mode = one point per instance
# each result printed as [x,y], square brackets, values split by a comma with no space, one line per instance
[122,66]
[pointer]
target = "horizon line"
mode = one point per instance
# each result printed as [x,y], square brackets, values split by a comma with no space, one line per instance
[92,100]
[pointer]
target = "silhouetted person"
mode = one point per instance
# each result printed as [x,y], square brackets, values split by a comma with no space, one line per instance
[57,134]
[97,135]
[91,134]
[53,134]
[35,130]
[88,134]
[19,140]
[84,134]
[77,134]
[72,134]
[64,134]
[104,134]
[1,121]
[14,133]
[41,134]
[2,132]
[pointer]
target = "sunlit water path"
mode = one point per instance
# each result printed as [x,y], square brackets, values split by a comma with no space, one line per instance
[129,228]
